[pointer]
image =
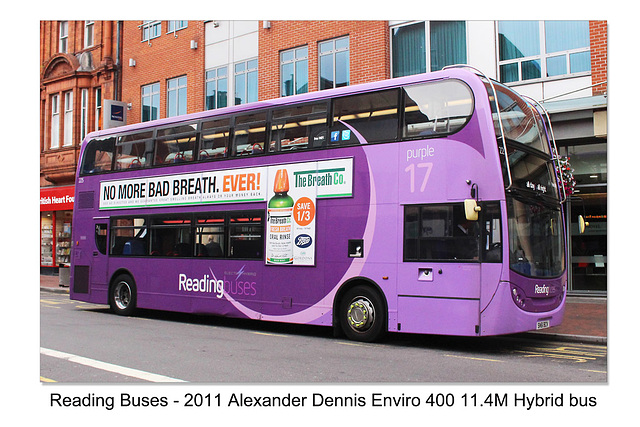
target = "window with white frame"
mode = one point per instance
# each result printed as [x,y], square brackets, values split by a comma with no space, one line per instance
[246,81]
[150,102]
[412,50]
[216,86]
[98,124]
[408,50]
[55,121]
[84,112]
[448,43]
[68,119]
[334,63]
[173,26]
[177,96]
[294,71]
[88,33]
[529,50]
[150,30]
[63,37]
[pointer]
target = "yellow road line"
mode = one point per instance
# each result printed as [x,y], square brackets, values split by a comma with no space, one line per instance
[473,358]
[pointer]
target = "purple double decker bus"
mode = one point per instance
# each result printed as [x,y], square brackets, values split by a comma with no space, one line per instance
[425,204]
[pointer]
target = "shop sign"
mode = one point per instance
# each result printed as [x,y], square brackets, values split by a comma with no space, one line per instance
[57,198]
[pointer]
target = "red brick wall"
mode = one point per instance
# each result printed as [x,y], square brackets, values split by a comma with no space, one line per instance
[599,41]
[164,58]
[368,50]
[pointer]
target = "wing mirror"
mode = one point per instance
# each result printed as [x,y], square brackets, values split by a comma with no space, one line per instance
[471,209]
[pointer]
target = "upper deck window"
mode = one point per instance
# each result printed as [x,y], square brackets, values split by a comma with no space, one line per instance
[373,115]
[176,144]
[438,108]
[299,127]
[98,156]
[520,121]
[134,150]
[249,134]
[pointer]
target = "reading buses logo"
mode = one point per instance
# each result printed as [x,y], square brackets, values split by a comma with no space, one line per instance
[206,284]
[234,283]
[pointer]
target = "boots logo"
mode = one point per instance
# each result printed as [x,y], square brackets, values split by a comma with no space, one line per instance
[303,241]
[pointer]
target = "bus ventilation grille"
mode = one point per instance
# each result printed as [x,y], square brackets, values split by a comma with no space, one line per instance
[85,200]
[81,279]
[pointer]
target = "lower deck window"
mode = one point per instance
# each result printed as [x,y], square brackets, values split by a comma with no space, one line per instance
[439,233]
[237,235]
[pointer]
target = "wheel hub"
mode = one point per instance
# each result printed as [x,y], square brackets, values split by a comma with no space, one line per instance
[122,295]
[360,314]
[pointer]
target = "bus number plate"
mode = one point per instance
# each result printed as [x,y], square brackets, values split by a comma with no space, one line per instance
[543,324]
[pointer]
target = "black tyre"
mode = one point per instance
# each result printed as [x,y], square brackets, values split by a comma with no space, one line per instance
[122,295]
[362,314]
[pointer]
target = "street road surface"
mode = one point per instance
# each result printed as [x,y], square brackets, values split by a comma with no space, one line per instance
[85,343]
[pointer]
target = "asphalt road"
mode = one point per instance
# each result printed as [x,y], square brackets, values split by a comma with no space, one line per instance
[85,343]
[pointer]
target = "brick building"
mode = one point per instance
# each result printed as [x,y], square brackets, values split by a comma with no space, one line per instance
[162,68]
[365,44]
[78,70]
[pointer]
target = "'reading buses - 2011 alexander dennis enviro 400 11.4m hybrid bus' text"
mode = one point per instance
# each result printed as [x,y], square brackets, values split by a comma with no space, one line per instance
[424,204]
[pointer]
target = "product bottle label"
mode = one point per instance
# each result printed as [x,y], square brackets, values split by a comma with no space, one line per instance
[280,222]
[280,235]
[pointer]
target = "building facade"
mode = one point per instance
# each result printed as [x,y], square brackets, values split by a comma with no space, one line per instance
[162,68]
[178,67]
[78,71]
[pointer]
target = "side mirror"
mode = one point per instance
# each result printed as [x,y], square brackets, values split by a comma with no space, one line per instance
[582,224]
[471,209]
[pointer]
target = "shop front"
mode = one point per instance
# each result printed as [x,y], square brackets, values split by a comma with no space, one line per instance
[56,210]
[580,128]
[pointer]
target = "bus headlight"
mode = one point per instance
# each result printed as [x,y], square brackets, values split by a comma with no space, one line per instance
[518,296]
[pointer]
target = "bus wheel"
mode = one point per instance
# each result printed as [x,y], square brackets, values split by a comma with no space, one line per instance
[122,295]
[362,314]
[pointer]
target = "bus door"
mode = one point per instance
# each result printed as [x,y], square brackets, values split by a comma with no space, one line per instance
[99,258]
[439,279]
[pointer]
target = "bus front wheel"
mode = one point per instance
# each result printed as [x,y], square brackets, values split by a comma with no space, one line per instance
[362,315]
[122,295]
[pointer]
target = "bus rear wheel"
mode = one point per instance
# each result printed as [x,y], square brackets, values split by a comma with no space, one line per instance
[122,295]
[362,315]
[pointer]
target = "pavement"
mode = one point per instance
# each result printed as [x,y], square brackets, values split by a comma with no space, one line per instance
[585,318]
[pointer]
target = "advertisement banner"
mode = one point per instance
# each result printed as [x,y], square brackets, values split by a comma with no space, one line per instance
[226,186]
[291,208]
[325,179]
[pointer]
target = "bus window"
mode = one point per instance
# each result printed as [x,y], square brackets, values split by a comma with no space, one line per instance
[245,235]
[373,115]
[520,122]
[171,236]
[129,236]
[210,236]
[134,151]
[491,232]
[439,233]
[300,127]
[214,141]
[98,156]
[433,109]
[175,145]
[101,238]
[249,134]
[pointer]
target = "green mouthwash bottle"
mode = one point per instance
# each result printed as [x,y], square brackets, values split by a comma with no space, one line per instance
[280,222]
